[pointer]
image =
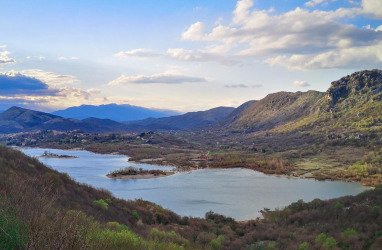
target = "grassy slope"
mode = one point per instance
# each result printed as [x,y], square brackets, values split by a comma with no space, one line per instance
[43,209]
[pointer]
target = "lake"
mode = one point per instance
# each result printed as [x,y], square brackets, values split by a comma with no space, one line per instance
[238,193]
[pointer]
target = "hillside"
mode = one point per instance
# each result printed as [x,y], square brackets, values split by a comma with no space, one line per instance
[352,103]
[275,110]
[43,209]
[352,106]
[18,119]
[188,121]
[116,112]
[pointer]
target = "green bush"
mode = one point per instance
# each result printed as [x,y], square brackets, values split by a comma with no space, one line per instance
[167,236]
[326,241]
[304,246]
[217,243]
[101,203]
[135,215]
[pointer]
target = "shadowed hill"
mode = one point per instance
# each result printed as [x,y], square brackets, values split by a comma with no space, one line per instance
[188,121]
[18,119]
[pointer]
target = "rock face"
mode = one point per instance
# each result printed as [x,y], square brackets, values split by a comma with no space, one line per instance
[360,83]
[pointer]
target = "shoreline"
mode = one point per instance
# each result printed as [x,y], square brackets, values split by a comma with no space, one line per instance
[189,168]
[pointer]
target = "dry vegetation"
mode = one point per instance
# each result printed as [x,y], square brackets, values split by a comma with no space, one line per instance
[43,209]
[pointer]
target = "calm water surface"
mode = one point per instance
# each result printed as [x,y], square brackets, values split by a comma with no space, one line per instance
[239,193]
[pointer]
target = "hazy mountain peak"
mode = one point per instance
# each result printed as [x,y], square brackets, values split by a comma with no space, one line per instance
[113,111]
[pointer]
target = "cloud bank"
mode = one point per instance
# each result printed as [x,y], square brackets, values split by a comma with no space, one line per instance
[165,78]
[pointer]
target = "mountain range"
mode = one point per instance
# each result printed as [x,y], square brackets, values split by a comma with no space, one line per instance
[18,119]
[116,112]
[352,103]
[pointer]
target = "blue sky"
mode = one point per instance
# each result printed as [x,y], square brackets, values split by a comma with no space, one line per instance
[183,55]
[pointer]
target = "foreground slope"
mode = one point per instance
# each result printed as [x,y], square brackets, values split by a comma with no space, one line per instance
[43,209]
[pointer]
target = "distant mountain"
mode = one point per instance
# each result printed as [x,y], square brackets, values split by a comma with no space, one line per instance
[191,120]
[18,119]
[116,112]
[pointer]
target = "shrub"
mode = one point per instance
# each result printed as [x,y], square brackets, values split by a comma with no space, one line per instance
[349,233]
[217,243]
[304,246]
[326,241]
[167,236]
[101,203]
[111,239]
[135,215]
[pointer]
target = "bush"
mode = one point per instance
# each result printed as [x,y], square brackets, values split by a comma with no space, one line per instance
[101,203]
[349,233]
[135,215]
[167,236]
[326,241]
[304,246]
[217,243]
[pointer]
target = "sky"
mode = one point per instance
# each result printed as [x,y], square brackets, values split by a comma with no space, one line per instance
[180,55]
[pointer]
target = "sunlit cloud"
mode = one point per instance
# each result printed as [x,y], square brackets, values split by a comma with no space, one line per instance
[240,86]
[298,33]
[136,53]
[301,84]
[165,78]
[5,56]
[51,78]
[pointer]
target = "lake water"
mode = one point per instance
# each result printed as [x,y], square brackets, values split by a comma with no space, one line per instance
[238,193]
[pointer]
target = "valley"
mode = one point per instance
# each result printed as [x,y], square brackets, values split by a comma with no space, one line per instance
[286,141]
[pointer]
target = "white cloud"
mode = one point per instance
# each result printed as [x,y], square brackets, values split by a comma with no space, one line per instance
[50,78]
[240,85]
[5,56]
[166,78]
[313,3]
[372,7]
[136,53]
[242,10]
[46,90]
[198,56]
[342,58]
[63,58]
[235,86]
[297,39]
[194,32]
[301,84]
